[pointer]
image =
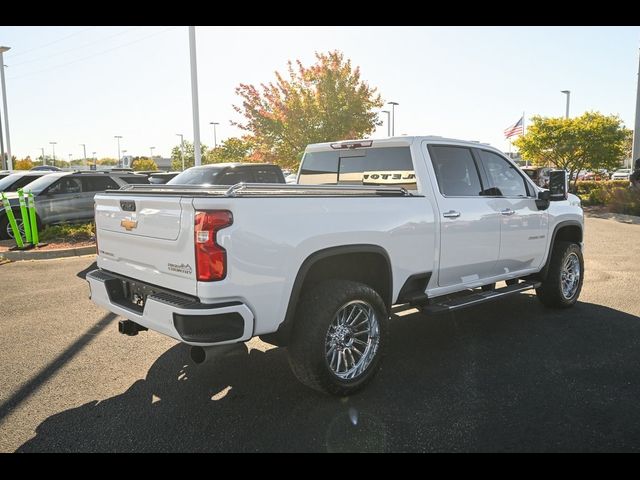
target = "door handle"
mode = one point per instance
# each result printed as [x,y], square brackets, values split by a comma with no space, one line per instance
[507,212]
[451,214]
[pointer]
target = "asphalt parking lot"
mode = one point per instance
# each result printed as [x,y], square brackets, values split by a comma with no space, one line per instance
[508,376]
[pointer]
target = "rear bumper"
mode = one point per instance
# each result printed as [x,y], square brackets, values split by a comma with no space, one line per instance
[181,317]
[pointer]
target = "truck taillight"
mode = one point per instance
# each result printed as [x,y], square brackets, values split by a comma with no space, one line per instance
[211,258]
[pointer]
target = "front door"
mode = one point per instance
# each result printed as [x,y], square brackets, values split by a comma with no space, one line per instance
[470,228]
[59,201]
[523,228]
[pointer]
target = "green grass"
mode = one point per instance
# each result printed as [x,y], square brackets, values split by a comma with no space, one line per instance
[68,233]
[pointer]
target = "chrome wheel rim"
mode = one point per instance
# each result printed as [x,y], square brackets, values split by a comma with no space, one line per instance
[570,276]
[20,229]
[352,340]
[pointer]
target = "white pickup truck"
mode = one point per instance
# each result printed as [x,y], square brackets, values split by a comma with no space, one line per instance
[370,228]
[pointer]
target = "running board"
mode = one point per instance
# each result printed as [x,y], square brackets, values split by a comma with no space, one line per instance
[477,298]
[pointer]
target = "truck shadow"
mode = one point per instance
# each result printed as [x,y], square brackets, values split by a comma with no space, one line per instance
[507,376]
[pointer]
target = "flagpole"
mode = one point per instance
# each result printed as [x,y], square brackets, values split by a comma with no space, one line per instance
[526,162]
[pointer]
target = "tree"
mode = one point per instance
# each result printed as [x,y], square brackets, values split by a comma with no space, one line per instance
[324,102]
[107,162]
[176,158]
[233,149]
[590,142]
[23,164]
[143,163]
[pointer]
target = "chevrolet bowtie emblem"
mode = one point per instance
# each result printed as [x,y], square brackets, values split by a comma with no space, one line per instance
[129,224]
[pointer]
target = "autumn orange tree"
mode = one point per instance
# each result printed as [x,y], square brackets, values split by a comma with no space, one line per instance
[326,101]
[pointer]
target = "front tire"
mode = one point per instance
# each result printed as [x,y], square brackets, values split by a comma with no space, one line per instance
[339,337]
[563,284]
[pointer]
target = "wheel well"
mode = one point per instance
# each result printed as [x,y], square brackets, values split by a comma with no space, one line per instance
[368,264]
[570,233]
[365,267]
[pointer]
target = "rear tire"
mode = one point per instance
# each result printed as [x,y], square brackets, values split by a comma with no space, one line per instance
[563,284]
[339,337]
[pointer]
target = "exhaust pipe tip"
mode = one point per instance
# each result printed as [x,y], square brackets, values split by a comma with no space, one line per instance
[198,355]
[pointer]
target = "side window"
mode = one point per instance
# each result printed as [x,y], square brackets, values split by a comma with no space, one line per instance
[98,184]
[504,177]
[65,185]
[456,171]
[266,175]
[231,177]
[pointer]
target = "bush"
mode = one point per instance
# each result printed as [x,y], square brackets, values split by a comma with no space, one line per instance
[624,200]
[68,233]
[597,192]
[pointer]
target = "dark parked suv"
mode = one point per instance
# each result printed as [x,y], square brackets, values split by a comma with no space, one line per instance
[65,197]
[229,174]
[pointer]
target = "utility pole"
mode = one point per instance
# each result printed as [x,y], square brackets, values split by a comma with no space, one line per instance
[568,94]
[118,137]
[6,114]
[182,148]
[44,162]
[636,130]
[84,149]
[194,98]
[388,122]
[393,117]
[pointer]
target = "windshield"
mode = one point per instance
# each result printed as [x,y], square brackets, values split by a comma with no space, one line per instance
[15,181]
[41,183]
[196,176]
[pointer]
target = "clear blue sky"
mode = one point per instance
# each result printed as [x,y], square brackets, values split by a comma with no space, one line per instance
[86,84]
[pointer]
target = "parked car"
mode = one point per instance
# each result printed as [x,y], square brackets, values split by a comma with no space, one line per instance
[416,222]
[18,179]
[229,174]
[159,178]
[61,197]
[4,173]
[539,175]
[45,168]
[621,174]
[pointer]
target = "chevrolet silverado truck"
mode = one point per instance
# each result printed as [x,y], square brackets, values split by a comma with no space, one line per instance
[370,228]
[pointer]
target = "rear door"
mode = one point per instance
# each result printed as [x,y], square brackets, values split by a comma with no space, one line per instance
[470,227]
[92,184]
[523,228]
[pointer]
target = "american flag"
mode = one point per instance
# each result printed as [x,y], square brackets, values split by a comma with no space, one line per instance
[515,129]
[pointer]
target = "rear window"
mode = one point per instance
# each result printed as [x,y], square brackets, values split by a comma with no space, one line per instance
[373,166]
[268,175]
[196,176]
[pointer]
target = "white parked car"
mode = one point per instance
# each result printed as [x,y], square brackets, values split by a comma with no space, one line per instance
[622,174]
[372,227]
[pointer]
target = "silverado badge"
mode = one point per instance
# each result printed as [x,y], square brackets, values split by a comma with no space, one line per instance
[129,224]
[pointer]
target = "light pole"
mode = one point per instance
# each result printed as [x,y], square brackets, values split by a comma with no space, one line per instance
[95,160]
[393,117]
[152,149]
[118,137]
[194,98]
[4,101]
[215,139]
[568,94]
[53,145]
[44,162]
[388,122]
[181,148]
[84,150]
[3,166]
[635,149]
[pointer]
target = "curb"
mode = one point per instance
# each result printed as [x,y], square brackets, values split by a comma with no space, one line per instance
[48,254]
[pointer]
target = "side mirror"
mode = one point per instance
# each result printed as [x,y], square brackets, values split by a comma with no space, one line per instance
[544,197]
[558,185]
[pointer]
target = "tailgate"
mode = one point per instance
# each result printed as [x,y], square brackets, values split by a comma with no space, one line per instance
[147,238]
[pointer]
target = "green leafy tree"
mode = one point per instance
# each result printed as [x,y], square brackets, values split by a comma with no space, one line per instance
[326,101]
[233,149]
[189,158]
[143,163]
[590,142]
